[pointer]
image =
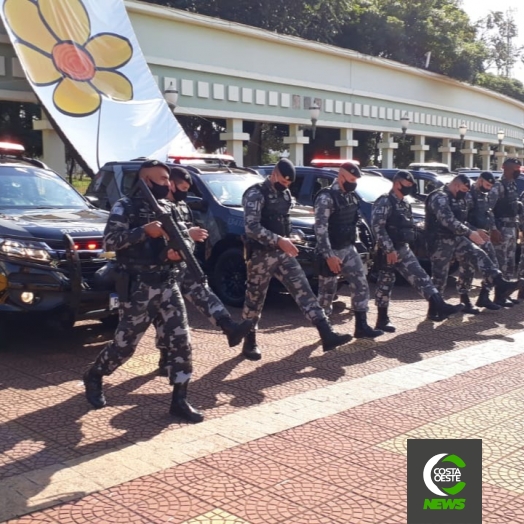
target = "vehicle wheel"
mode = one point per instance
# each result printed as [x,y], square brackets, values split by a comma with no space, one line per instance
[110,322]
[229,277]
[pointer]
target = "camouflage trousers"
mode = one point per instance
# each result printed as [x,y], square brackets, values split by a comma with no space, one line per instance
[466,252]
[163,304]
[467,271]
[201,296]
[506,251]
[355,275]
[265,264]
[409,267]
[520,269]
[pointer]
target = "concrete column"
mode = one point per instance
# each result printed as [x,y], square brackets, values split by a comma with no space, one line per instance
[500,155]
[387,147]
[235,138]
[469,151]
[296,141]
[54,149]
[512,153]
[346,143]
[420,148]
[446,149]
[486,154]
[520,155]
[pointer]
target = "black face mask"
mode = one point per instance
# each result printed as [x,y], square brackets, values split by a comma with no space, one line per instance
[349,186]
[280,187]
[406,190]
[460,195]
[159,192]
[483,189]
[178,196]
[516,174]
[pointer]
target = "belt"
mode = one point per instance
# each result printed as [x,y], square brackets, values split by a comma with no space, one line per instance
[156,278]
[507,220]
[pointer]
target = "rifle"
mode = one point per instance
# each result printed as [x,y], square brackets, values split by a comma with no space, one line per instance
[176,239]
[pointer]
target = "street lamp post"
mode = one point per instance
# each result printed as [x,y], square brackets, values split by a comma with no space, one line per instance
[314,113]
[463,129]
[404,123]
[171,96]
[500,149]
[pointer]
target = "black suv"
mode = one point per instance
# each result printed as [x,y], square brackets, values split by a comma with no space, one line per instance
[50,247]
[216,201]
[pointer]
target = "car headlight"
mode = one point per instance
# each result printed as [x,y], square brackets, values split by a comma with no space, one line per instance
[35,251]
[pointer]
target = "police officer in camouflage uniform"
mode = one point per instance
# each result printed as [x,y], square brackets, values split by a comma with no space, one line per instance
[271,253]
[392,223]
[147,290]
[336,217]
[503,199]
[520,269]
[479,216]
[448,236]
[197,293]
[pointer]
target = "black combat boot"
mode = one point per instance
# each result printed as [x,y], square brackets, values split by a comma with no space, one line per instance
[468,306]
[439,310]
[331,339]
[362,329]
[484,301]
[250,349]
[234,331]
[383,321]
[93,384]
[180,407]
[503,289]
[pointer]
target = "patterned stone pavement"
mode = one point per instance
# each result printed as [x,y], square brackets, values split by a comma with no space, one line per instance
[300,437]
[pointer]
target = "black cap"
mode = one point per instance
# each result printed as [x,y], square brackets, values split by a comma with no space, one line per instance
[487,176]
[404,175]
[152,163]
[351,168]
[514,161]
[179,174]
[286,169]
[463,179]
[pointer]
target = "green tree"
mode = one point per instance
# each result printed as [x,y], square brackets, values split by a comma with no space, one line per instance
[507,86]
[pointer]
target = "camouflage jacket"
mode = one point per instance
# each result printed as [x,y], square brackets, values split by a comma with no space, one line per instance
[324,206]
[439,204]
[470,205]
[253,202]
[382,210]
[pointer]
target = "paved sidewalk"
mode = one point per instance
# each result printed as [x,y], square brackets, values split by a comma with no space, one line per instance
[300,437]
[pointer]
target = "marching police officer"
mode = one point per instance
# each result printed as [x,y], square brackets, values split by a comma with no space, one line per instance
[197,293]
[503,199]
[336,216]
[480,216]
[147,290]
[271,253]
[449,237]
[392,223]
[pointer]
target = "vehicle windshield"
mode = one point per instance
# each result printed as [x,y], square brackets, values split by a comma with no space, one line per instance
[228,188]
[369,188]
[34,188]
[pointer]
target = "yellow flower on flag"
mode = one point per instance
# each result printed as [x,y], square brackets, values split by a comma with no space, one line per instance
[54,42]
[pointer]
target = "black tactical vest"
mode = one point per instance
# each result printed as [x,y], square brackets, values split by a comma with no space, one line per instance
[458,208]
[275,212]
[506,207]
[342,223]
[478,215]
[143,255]
[400,226]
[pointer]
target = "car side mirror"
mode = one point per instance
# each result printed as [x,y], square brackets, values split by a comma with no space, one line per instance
[197,203]
[92,199]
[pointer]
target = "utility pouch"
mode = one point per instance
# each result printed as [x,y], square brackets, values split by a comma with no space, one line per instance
[122,283]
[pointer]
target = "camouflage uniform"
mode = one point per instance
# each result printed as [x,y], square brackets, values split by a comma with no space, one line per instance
[153,293]
[477,202]
[501,197]
[267,260]
[352,268]
[520,270]
[450,240]
[197,293]
[407,264]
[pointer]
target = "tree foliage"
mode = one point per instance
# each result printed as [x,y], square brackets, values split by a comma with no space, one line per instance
[507,86]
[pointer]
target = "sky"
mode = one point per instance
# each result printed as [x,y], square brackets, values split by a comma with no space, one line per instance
[479,8]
